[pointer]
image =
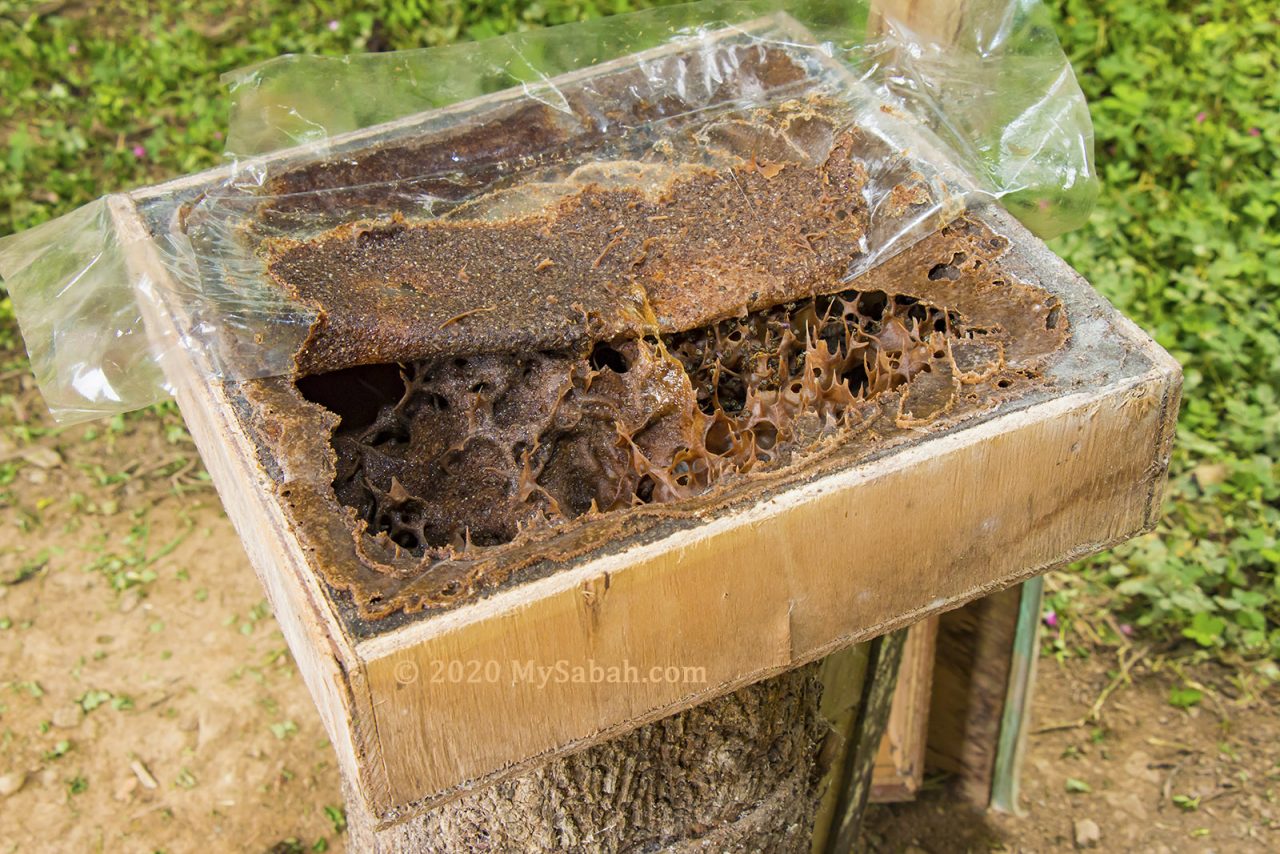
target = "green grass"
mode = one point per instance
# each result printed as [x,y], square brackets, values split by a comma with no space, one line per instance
[95,102]
[1184,239]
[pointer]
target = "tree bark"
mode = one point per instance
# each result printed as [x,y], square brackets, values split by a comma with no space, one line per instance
[739,773]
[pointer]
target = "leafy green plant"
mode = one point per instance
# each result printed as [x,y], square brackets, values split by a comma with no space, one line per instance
[1185,698]
[59,750]
[337,817]
[93,698]
[1077,787]
[1186,239]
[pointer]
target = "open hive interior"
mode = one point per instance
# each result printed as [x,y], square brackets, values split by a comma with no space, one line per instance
[600,336]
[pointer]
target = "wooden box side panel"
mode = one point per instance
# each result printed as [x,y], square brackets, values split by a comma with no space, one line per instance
[838,561]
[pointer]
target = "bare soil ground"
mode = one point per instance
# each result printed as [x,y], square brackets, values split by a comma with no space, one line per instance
[1149,776]
[148,702]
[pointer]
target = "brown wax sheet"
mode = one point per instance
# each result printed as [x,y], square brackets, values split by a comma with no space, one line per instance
[615,249]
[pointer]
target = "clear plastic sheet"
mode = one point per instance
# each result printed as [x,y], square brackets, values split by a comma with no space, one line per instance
[78,308]
[953,115]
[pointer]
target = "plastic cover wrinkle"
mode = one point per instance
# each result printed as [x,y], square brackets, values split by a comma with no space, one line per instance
[521,126]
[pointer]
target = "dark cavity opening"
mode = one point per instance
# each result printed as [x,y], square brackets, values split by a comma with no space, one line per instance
[943,271]
[604,356]
[452,454]
[355,394]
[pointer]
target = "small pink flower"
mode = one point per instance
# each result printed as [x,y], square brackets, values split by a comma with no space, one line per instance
[1254,132]
[139,151]
[333,26]
[1126,630]
[73,49]
[217,134]
[1201,116]
[1051,619]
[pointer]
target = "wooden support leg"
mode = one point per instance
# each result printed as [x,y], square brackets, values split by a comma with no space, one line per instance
[982,683]
[899,771]
[1016,718]
[853,783]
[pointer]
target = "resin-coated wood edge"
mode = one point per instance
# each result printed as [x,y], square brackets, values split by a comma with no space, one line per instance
[825,565]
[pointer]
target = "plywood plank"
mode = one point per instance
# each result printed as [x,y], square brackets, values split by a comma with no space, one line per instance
[843,675]
[873,716]
[899,767]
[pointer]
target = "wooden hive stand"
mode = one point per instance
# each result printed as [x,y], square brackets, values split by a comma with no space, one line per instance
[772,627]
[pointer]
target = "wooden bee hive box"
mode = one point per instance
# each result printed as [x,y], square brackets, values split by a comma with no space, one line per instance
[1016,423]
